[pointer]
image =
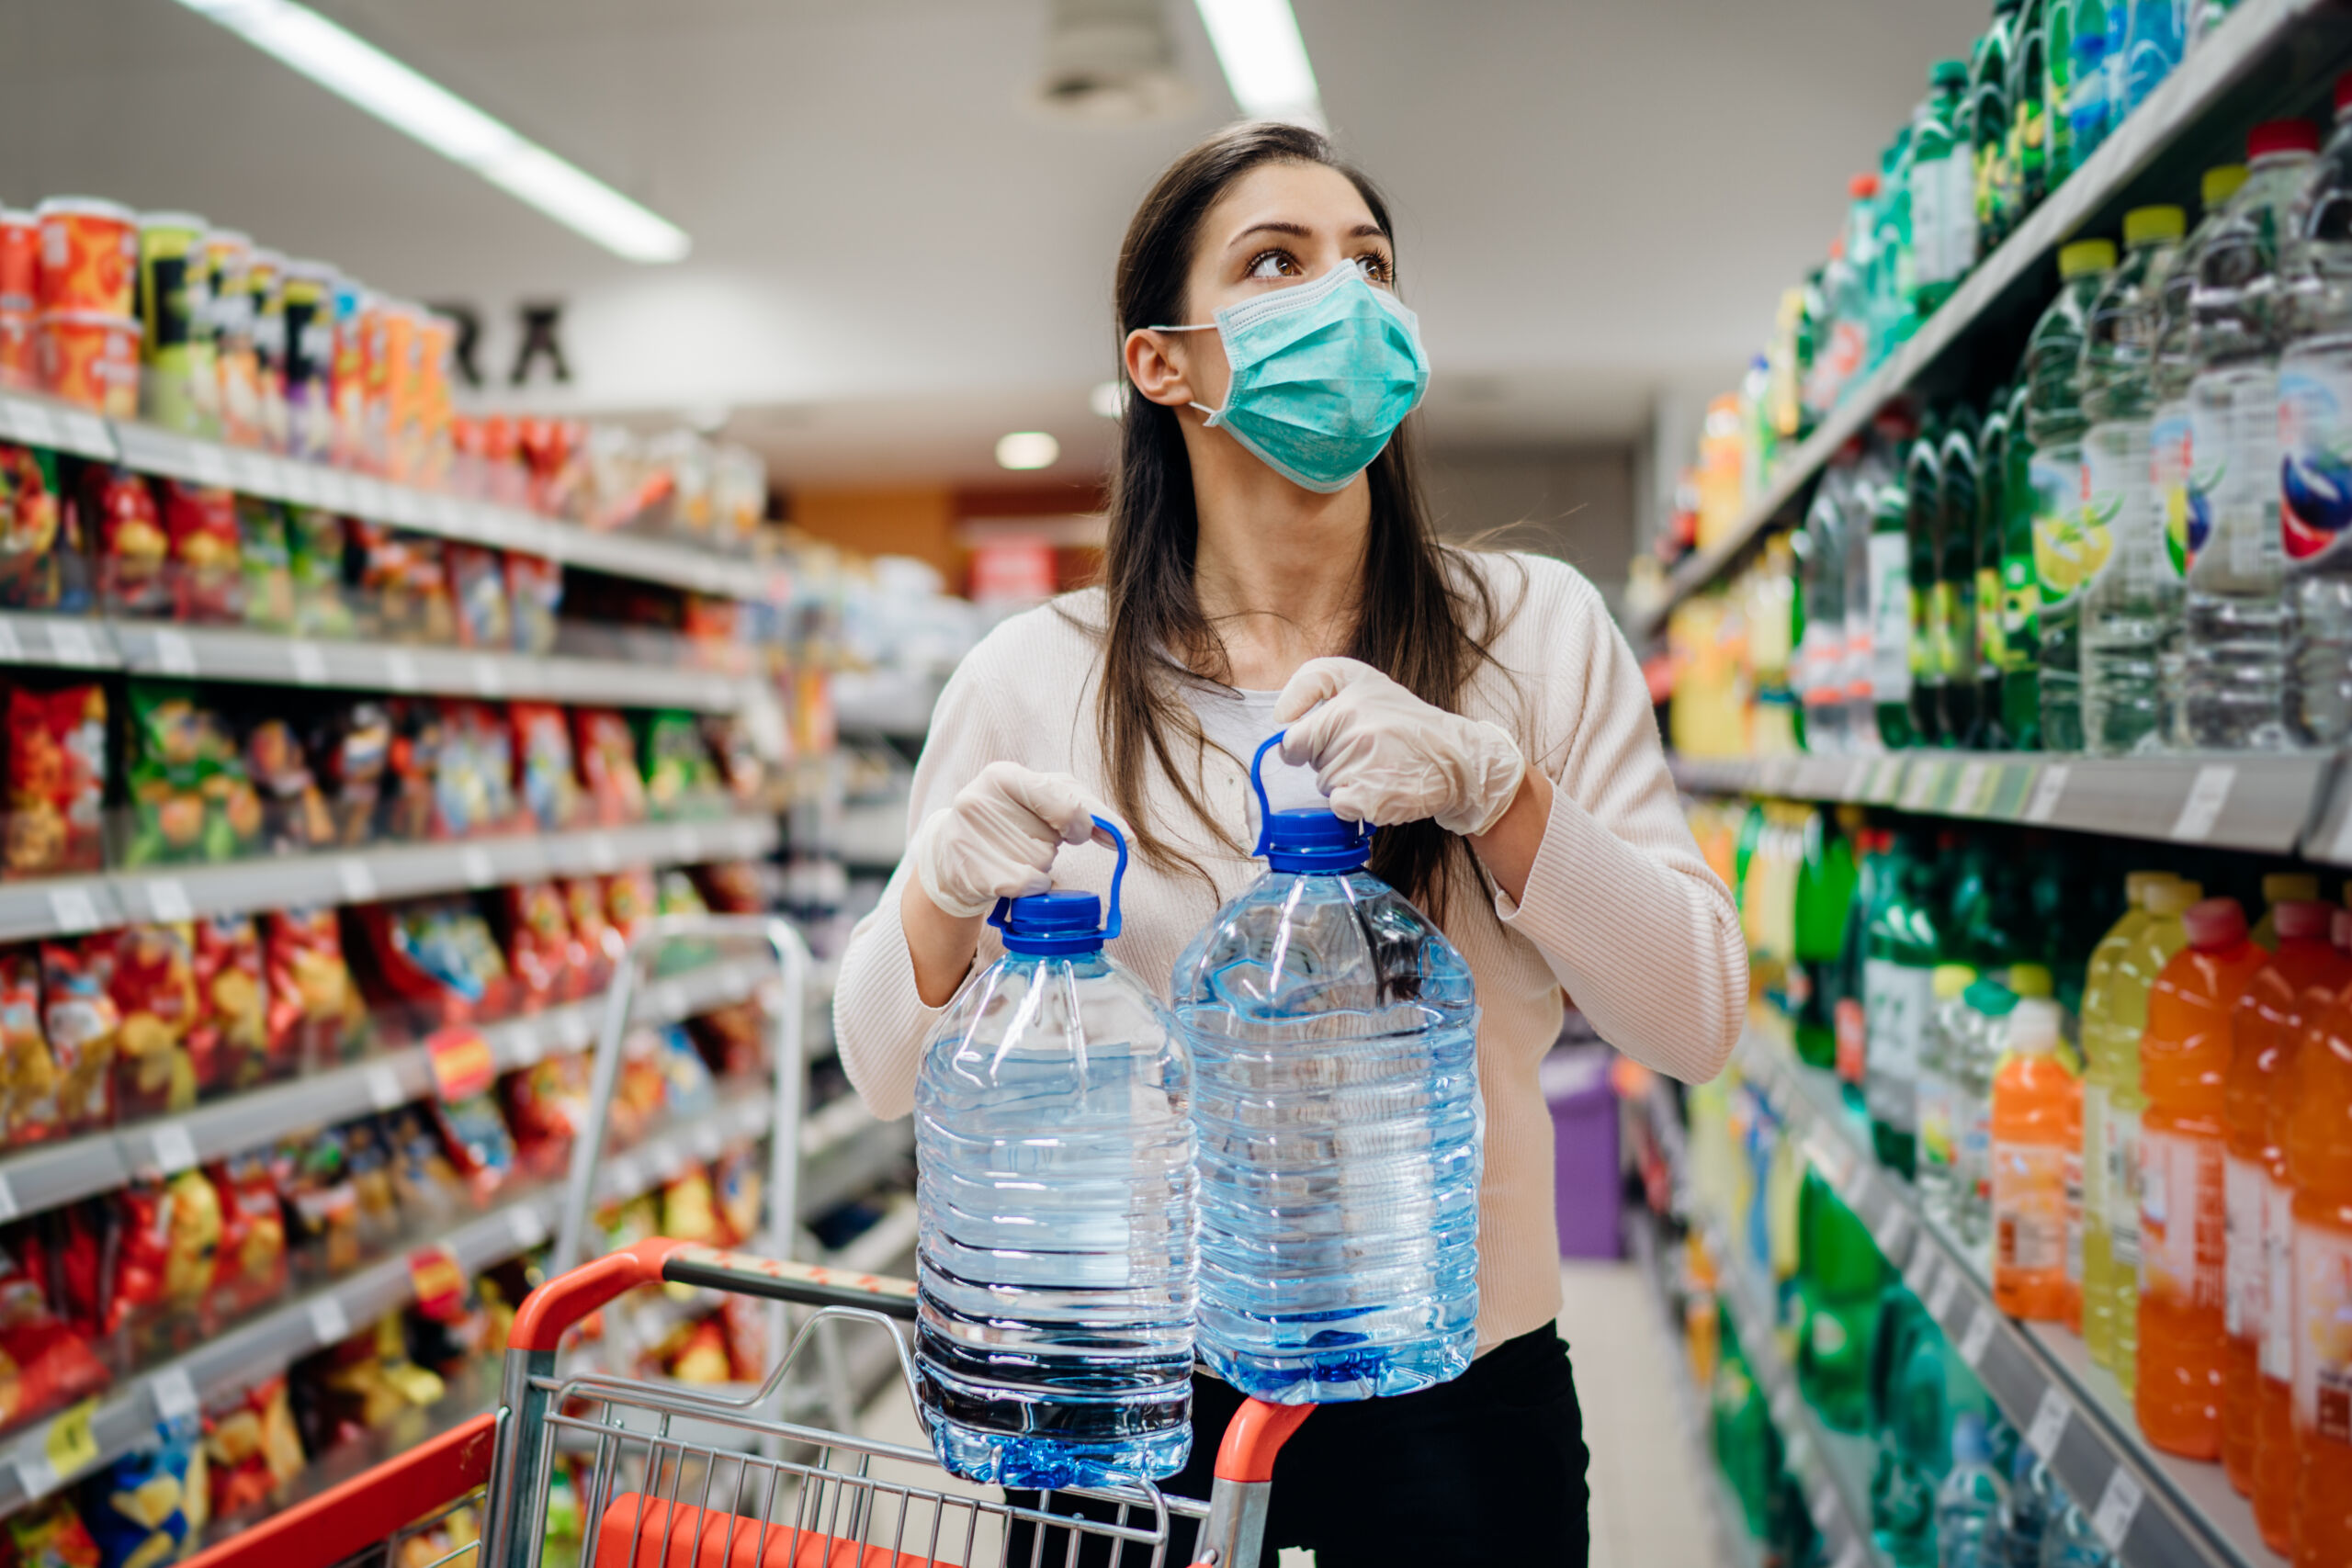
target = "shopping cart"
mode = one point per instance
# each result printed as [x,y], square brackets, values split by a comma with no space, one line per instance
[779,1496]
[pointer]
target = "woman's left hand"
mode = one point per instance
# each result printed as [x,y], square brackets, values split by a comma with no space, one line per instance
[1385,757]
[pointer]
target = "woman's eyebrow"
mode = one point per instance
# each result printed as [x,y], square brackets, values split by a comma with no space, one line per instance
[1301,231]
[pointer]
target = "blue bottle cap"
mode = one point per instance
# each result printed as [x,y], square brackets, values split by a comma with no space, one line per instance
[1060,923]
[1314,842]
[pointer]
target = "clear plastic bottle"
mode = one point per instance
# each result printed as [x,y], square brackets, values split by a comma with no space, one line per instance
[2184,514]
[1988,92]
[1820,676]
[1972,1505]
[1861,703]
[1894,609]
[2066,554]
[1055,1185]
[2020,591]
[2315,430]
[1948,1023]
[1905,945]
[2131,604]
[1942,182]
[1931,608]
[1333,1034]
[2236,628]
[1962,719]
[1992,613]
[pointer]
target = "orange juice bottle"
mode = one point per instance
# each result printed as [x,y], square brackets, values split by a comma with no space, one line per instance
[2184,1064]
[2265,1030]
[2037,1125]
[2319,1167]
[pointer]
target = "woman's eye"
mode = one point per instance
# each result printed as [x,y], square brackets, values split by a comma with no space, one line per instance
[1377,268]
[1272,264]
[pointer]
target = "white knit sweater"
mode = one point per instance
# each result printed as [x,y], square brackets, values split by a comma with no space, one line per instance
[1619,910]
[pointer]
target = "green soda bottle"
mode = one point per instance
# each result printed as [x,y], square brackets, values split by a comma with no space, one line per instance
[1943,191]
[1839,1281]
[1992,634]
[2021,590]
[2026,160]
[1923,493]
[1903,947]
[1962,719]
[1988,92]
[1825,893]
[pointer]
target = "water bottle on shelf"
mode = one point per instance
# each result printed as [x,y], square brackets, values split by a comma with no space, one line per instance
[2076,65]
[2021,696]
[1820,654]
[2065,553]
[2155,34]
[1333,1035]
[1893,608]
[2315,429]
[1943,183]
[1931,609]
[2236,630]
[1961,718]
[1972,1505]
[1055,1185]
[2132,603]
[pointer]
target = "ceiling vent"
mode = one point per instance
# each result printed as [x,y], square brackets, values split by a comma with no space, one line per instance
[1111,61]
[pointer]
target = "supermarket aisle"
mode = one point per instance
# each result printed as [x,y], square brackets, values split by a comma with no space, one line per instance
[1648,1496]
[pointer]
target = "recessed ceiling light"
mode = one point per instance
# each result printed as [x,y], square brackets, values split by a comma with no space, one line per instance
[1109,398]
[1264,59]
[352,68]
[1027,449]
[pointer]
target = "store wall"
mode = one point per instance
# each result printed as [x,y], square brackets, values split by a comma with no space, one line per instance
[1576,503]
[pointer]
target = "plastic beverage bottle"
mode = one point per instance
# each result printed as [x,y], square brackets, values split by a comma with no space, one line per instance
[1948,1027]
[2315,429]
[2155,35]
[1994,1006]
[2236,626]
[1052,1102]
[1932,610]
[2266,1031]
[1840,1278]
[2185,513]
[2077,90]
[1333,1033]
[2066,553]
[1988,92]
[2157,944]
[1825,891]
[1820,673]
[2280,887]
[2184,1066]
[1963,718]
[2025,162]
[2069,1542]
[2035,1499]
[2319,1170]
[1854,670]
[1893,610]
[2102,1048]
[1898,981]
[1972,1503]
[1894,289]
[2020,589]
[2037,1118]
[1943,191]
[2132,603]
[1992,634]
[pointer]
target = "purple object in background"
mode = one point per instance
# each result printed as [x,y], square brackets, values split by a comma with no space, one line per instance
[1575,1080]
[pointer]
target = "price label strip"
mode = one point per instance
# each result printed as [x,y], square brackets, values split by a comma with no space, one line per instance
[384,1091]
[174,1151]
[2118,1504]
[174,1393]
[1972,796]
[2049,788]
[1947,1287]
[72,910]
[463,1063]
[1978,1335]
[2208,793]
[330,1324]
[2048,1424]
[174,655]
[524,1224]
[167,900]
[359,881]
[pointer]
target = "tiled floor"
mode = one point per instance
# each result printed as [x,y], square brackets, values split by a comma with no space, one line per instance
[1650,1505]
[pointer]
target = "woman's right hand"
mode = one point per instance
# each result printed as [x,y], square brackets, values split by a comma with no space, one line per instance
[998,838]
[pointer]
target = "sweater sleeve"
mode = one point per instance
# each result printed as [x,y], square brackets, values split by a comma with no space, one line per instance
[879,1019]
[1621,903]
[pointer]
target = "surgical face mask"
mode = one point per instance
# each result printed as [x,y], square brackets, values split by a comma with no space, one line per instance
[1323,374]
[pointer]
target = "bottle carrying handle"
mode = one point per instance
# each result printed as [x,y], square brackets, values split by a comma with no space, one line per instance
[1118,874]
[1258,782]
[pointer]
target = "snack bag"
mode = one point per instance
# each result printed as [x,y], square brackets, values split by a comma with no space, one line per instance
[547,1104]
[534,593]
[315,550]
[191,796]
[411,810]
[46,1362]
[608,765]
[28,1072]
[690,1207]
[426,1182]
[478,587]
[250,1447]
[251,1270]
[736,761]
[41,565]
[473,782]
[688,1088]
[402,577]
[680,777]
[139,1219]
[732,1039]
[294,810]
[322,1229]
[267,563]
[150,1507]
[354,748]
[738,1185]
[134,552]
[311,996]
[84,1029]
[229,1045]
[439,961]
[675,894]
[550,785]
[370,1159]
[731,887]
[538,944]
[596,945]
[207,578]
[153,982]
[50,1534]
[56,778]
[631,901]
[192,1246]
[477,1142]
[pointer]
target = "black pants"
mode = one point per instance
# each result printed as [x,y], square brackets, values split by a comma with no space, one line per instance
[1486,1469]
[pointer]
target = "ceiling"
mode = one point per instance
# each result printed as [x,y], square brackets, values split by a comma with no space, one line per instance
[897,259]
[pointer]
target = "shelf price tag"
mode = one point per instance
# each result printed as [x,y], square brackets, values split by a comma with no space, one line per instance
[174,1393]
[174,655]
[1978,1335]
[1893,1226]
[1919,786]
[330,1324]
[7,1202]
[308,663]
[2048,1424]
[463,1063]
[1920,1269]
[357,880]
[476,867]
[2118,1504]
[2049,786]
[167,900]
[68,1443]
[208,464]
[32,423]
[2208,793]
[384,1091]
[1972,795]
[174,1151]
[1947,1287]
[572,1030]
[70,642]
[12,651]
[604,857]
[73,910]
[523,1223]
[488,676]
[399,669]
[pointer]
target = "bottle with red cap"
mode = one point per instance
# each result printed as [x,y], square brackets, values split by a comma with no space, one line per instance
[2315,434]
[2184,1070]
[2236,635]
[2265,1030]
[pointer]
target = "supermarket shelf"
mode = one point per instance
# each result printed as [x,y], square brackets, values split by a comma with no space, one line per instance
[65,906]
[268,1344]
[213,653]
[43,422]
[885,1245]
[153,451]
[885,702]
[2262,54]
[2154,1511]
[47,1177]
[2272,804]
[856,1152]
[1832,1468]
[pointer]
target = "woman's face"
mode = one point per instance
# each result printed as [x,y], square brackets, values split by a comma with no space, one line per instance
[1280,225]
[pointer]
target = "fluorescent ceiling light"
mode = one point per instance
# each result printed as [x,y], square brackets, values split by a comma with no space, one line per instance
[1257,43]
[1027,449]
[353,69]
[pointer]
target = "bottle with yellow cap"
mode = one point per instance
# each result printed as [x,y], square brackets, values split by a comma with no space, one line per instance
[2066,554]
[2130,602]
[2164,935]
[2108,1038]
[2315,429]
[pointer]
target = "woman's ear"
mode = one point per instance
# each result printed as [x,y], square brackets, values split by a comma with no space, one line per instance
[1153,370]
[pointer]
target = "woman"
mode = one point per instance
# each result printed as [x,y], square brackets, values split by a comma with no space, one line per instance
[1270,564]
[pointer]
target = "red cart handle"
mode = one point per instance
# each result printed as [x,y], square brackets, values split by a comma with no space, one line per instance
[1254,1436]
[546,1313]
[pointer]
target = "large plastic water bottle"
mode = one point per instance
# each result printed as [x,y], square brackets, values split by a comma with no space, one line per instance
[1055,1182]
[1333,1034]
[1972,1505]
[2065,553]
[2236,633]
[2315,428]
[2131,604]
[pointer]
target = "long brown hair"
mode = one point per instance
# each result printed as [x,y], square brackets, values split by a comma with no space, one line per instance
[1423,615]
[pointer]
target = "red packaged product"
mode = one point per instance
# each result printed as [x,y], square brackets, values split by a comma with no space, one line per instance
[608,769]
[630,900]
[595,946]
[437,962]
[39,570]
[547,782]
[402,577]
[134,552]
[83,1027]
[45,1365]
[28,1071]
[311,996]
[539,944]
[57,778]
[252,1268]
[153,986]
[252,1447]
[229,1046]
[411,812]
[547,1104]
[207,552]
[141,1220]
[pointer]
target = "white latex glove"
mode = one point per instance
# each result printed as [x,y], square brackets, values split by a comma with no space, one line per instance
[997,838]
[1384,756]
